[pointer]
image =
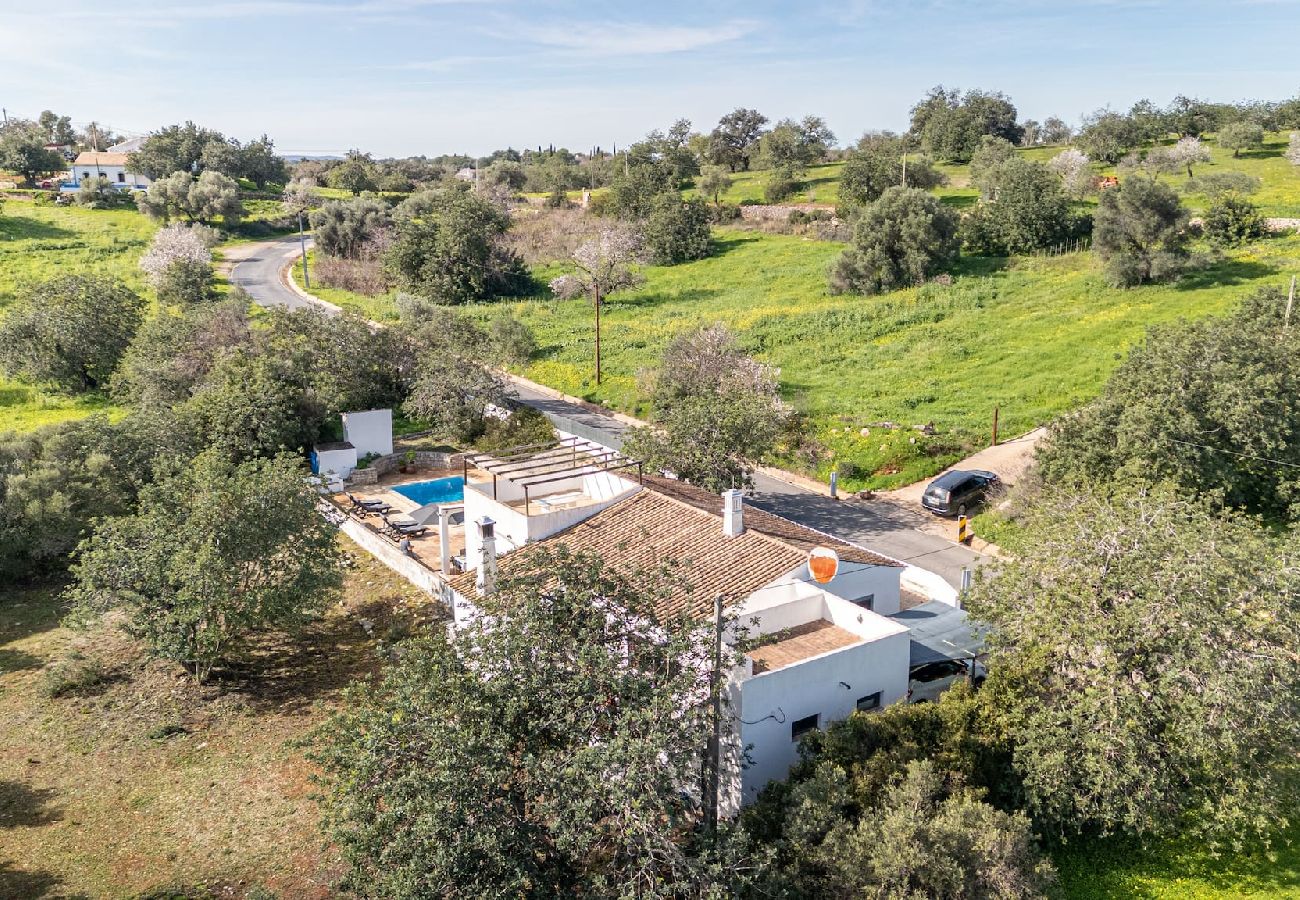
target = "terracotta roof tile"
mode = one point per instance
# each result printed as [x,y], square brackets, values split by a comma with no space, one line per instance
[661,523]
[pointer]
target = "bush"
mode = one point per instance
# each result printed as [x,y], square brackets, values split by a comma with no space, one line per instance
[524,426]
[99,193]
[179,263]
[361,276]
[724,213]
[902,239]
[73,677]
[342,228]
[780,186]
[1031,213]
[1232,220]
[512,342]
[677,230]
[1216,184]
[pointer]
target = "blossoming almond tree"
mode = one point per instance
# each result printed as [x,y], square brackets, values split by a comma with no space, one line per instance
[603,266]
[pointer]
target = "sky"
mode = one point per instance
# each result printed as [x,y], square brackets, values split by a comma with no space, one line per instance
[411,77]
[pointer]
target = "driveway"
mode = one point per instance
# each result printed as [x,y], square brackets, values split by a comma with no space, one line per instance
[891,528]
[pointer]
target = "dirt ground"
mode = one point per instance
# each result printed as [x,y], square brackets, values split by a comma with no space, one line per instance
[134,779]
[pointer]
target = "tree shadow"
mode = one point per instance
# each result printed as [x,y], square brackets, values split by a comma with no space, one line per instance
[289,673]
[31,884]
[20,228]
[980,266]
[23,806]
[731,242]
[960,201]
[1224,273]
[659,298]
[17,660]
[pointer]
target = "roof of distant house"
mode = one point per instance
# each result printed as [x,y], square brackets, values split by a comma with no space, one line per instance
[672,521]
[128,146]
[90,158]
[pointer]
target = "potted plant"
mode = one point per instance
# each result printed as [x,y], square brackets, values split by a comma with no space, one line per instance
[408,460]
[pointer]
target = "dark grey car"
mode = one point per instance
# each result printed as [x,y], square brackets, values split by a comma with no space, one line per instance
[957,492]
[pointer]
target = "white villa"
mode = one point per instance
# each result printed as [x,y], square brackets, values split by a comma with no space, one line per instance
[113,166]
[822,650]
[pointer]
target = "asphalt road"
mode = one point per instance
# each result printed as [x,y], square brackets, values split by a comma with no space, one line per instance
[888,528]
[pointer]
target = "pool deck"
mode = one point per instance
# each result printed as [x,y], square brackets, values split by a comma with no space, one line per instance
[425,545]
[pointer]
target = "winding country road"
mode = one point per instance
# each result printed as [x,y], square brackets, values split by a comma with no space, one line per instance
[882,526]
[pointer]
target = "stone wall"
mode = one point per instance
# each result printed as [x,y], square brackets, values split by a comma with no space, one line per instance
[386,465]
[780,212]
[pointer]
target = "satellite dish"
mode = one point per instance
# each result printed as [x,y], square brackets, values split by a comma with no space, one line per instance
[823,564]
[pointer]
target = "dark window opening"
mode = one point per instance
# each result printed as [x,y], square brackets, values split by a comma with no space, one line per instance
[871,701]
[121,177]
[866,602]
[800,727]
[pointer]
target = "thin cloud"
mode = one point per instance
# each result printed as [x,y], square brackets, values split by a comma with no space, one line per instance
[627,39]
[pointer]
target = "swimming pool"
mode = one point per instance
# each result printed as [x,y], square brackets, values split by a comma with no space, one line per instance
[440,490]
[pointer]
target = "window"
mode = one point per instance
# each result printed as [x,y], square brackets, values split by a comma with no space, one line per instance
[121,177]
[871,701]
[800,727]
[85,174]
[866,602]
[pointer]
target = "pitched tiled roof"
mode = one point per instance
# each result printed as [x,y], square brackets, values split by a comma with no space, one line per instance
[770,524]
[656,525]
[90,158]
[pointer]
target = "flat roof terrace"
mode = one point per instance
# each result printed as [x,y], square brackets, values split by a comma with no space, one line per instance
[799,643]
[549,476]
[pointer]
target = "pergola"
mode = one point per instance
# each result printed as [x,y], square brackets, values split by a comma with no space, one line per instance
[532,465]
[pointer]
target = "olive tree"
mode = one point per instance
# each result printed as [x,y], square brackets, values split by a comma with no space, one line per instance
[1108,136]
[1143,666]
[1031,212]
[1238,136]
[714,181]
[212,555]
[343,228]
[677,230]
[545,747]
[902,239]
[202,199]
[1140,231]
[878,162]
[69,331]
[22,150]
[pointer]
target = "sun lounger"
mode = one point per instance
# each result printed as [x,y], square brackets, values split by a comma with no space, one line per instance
[408,529]
[374,506]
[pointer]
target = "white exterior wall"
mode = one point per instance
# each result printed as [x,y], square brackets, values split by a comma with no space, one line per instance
[856,580]
[370,431]
[340,462]
[112,173]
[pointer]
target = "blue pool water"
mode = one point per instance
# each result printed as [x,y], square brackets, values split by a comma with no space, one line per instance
[440,490]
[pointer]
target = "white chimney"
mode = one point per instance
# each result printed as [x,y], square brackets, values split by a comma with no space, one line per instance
[486,582]
[733,513]
[444,540]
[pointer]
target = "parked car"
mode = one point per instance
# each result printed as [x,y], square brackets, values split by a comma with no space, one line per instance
[927,681]
[955,493]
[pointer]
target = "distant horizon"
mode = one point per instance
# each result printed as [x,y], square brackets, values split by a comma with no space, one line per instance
[400,78]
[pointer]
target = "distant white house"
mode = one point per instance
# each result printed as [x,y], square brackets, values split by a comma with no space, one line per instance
[113,166]
[128,146]
[817,652]
[467,174]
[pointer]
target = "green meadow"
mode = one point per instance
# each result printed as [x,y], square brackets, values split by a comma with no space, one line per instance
[39,242]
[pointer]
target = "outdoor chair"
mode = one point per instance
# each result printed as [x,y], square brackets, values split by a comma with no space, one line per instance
[370,506]
[402,528]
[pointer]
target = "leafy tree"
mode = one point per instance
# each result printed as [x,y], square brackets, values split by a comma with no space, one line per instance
[929,837]
[1075,171]
[58,129]
[718,411]
[512,342]
[714,181]
[69,331]
[877,164]
[507,174]
[456,253]
[1031,213]
[1108,136]
[677,230]
[22,150]
[987,162]
[343,229]
[356,173]
[453,392]
[1232,220]
[200,199]
[632,193]
[795,145]
[173,352]
[1143,666]
[671,150]
[53,481]
[259,163]
[177,148]
[1151,122]
[733,142]
[99,193]
[950,125]
[1055,131]
[602,266]
[1190,117]
[1239,136]
[179,263]
[1195,404]
[1140,232]
[299,197]
[212,555]
[568,774]
[902,239]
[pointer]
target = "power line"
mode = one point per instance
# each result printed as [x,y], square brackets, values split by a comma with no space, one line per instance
[1276,462]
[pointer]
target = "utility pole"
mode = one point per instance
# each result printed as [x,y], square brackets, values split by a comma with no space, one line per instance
[596,288]
[1290,301]
[904,168]
[5,112]
[995,426]
[713,762]
[302,243]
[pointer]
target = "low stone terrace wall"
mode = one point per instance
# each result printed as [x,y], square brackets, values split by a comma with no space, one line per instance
[386,465]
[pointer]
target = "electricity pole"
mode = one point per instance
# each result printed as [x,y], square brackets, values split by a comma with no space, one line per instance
[713,762]
[302,243]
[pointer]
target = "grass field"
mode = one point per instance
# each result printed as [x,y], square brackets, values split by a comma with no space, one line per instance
[1279,193]
[140,780]
[38,242]
[1033,336]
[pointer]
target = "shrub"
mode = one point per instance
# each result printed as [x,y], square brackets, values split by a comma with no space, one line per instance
[523,426]
[677,230]
[1233,220]
[779,186]
[99,193]
[1216,184]
[512,342]
[342,228]
[1031,213]
[361,276]
[902,239]
[72,677]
